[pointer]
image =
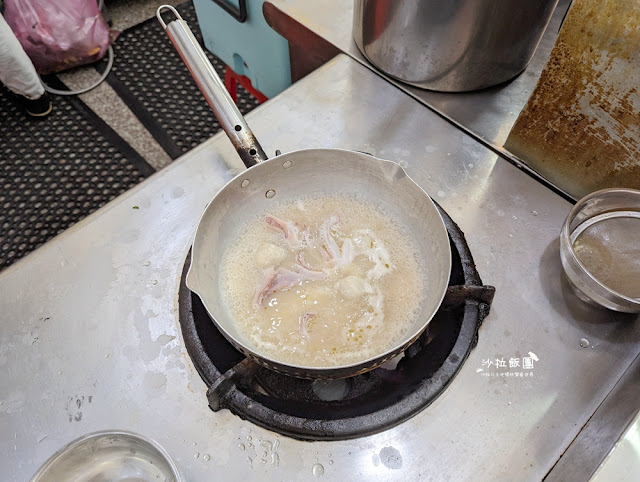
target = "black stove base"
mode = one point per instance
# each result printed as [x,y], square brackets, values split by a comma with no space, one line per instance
[353,407]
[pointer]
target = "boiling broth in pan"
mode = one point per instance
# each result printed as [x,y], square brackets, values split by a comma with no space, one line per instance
[323,281]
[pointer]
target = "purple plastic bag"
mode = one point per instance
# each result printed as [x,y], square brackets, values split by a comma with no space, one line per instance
[58,34]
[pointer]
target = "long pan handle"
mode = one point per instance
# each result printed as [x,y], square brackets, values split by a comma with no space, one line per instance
[213,89]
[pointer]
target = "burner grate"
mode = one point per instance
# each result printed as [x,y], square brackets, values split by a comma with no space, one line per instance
[357,406]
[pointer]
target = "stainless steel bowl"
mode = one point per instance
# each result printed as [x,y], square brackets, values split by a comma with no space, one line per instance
[600,249]
[109,456]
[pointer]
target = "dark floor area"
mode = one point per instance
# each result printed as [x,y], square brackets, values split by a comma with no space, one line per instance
[57,170]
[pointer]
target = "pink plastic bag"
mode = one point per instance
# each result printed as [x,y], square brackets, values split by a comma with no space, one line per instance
[58,34]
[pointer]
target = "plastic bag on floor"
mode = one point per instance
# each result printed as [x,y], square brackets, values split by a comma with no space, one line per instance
[58,34]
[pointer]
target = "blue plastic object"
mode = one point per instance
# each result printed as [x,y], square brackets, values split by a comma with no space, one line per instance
[250,47]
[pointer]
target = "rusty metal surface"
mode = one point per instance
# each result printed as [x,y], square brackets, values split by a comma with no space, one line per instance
[581,126]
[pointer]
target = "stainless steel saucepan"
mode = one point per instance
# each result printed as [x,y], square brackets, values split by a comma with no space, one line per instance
[267,183]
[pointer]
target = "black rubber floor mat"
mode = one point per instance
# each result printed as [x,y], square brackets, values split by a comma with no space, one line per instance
[56,171]
[154,82]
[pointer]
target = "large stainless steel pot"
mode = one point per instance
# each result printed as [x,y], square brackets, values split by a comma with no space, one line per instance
[290,176]
[450,45]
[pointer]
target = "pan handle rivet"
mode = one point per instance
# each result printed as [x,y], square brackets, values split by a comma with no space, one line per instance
[270,193]
[287,164]
[244,183]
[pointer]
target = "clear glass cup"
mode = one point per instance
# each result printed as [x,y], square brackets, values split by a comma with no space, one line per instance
[600,248]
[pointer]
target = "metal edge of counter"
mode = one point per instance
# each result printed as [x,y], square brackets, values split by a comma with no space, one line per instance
[600,434]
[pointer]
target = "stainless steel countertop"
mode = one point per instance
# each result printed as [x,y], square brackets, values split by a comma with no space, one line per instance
[91,340]
[488,114]
[606,429]
[623,463]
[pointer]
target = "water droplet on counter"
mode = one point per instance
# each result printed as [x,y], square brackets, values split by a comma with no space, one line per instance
[249,439]
[535,213]
[441,194]
[206,457]
[241,446]
[330,462]
[275,460]
[196,455]
[584,343]
[154,282]
[508,403]
[264,454]
[146,263]
[267,445]
[317,470]
[41,438]
[195,443]
[107,355]
[514,218]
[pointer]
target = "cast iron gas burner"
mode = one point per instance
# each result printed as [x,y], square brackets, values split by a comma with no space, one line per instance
[351,407]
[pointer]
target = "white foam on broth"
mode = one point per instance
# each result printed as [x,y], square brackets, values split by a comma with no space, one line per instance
[362,305]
